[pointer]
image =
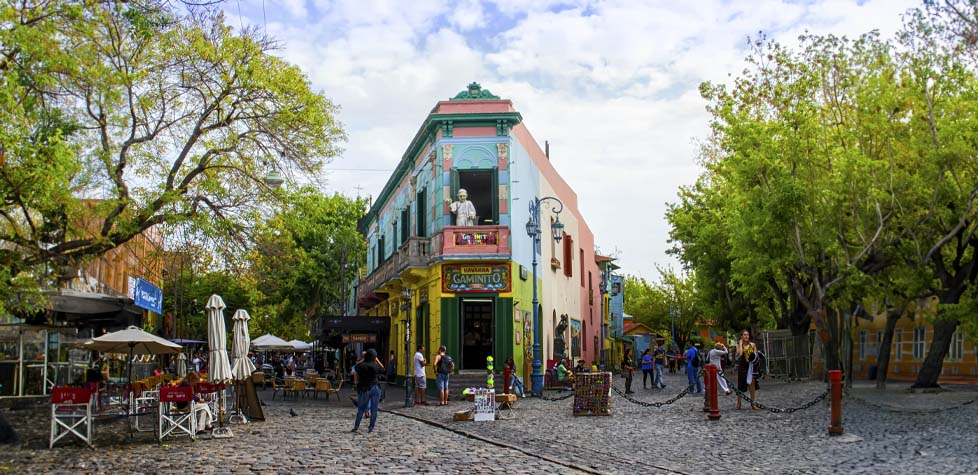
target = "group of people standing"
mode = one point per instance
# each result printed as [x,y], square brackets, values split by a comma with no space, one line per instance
[653,362]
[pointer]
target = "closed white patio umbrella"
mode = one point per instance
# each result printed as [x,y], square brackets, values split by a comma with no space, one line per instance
[242,367]
[182,365]
[219,366]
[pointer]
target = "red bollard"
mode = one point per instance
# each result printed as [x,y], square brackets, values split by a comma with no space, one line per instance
[711,392]
[835,381]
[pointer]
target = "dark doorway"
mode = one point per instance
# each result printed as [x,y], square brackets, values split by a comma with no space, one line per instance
[477,331]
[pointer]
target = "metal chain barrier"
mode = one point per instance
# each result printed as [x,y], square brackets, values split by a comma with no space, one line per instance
[885,407]
[560,398]
[775,410]
[651,404]
[667,402]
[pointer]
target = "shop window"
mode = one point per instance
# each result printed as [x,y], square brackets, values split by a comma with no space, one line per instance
[863,343]
[405,223]
[919,342]
[568,255]
[421,212]
[956,350]
[482,187]
[581,262]
[897,344]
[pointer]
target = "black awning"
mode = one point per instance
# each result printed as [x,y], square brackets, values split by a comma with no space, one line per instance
[353,324]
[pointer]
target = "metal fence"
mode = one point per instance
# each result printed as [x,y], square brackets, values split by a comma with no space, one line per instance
[788,356]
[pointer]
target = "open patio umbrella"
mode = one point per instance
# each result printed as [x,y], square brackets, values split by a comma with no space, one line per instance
[134,341]
[300,345]
[219,368]
[269,342]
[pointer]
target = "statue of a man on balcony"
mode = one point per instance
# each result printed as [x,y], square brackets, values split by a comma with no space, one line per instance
[463,208]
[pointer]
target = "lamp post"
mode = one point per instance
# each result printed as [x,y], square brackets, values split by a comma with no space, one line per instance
[672,321]
[533,230]
[408,380]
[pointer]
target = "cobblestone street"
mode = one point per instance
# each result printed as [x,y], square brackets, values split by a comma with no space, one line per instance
[546,438]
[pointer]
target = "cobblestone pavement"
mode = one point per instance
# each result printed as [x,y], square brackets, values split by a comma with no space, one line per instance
[889,433]
[679,439]
[317,441]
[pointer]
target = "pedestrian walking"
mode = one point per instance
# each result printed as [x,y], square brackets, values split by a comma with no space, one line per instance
[746,355]
[420,383]
[716,357]
[647,369]
[692,367]
[444,366]
[628,369]
[659,357]
[368,391]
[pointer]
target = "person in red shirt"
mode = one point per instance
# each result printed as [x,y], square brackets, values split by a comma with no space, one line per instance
[508,373]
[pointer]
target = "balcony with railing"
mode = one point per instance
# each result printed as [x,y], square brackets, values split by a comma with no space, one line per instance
[450,242]
[415,252]
[483,241]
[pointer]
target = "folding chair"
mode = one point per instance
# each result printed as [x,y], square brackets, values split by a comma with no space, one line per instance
[209,392]
[177,421]
[71,413]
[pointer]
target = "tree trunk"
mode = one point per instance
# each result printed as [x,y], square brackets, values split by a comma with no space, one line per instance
[931,370]
[883,358]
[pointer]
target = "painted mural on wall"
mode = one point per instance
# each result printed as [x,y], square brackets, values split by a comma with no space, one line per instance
[476,278]
[575,327]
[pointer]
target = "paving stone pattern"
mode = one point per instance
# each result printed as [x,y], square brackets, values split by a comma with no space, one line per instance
[679,438]
[546,438]
[317,441]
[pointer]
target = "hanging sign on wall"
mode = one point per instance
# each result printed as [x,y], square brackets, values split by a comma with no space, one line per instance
[476,278]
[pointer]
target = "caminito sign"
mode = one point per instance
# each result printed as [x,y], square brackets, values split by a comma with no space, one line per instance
[476,278]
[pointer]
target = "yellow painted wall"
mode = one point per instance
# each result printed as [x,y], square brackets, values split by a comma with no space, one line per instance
[430,278]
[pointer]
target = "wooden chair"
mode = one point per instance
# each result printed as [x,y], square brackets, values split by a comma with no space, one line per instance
[259,378]
[278,386]
[322,386]
[298,387]
[335,390]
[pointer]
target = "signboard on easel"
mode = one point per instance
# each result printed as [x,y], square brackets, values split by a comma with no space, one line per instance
[485,405]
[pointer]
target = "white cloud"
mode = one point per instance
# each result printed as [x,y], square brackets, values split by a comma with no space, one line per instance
[611,84]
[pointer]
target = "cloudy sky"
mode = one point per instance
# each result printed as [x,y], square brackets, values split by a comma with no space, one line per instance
[612,85]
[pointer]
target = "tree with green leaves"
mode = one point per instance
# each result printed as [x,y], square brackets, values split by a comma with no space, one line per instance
[671,302]
[307,253]
[121,116]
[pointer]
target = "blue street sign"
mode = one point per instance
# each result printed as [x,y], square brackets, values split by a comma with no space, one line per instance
[148,296]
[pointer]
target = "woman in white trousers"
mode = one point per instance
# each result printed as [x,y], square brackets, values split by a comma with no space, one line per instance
[719,351]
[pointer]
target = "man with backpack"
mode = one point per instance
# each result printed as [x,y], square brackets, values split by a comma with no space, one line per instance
[444,366]
[693,367]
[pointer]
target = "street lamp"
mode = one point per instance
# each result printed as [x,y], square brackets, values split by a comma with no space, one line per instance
[557,233]
[408,381]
